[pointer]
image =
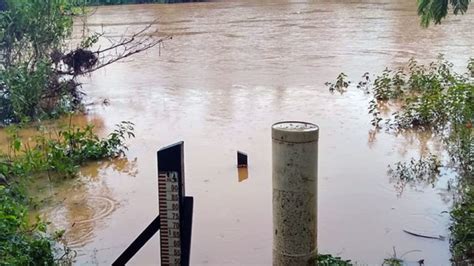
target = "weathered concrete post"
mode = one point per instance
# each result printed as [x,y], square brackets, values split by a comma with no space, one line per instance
[295,156]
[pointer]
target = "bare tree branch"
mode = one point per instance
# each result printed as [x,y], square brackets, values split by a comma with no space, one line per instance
[118,50]
[124,41]
[128,52]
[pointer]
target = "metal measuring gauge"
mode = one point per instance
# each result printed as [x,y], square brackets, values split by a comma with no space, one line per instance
[170,222]
[175,222]
[176,213]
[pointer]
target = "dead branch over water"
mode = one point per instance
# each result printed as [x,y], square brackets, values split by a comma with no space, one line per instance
[84,61]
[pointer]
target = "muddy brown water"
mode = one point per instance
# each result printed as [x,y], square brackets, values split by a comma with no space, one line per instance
[232,69]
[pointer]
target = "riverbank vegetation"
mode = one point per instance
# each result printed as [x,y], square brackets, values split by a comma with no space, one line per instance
[328,259]
[55,155]
[39,80]
[38,72]
[61,152]
[430,98]
[51,154]
[21,242]
[418,98]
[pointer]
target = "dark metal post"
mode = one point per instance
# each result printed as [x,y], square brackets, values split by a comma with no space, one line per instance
[242,159]
[138,243]
[176,212]
[175,208]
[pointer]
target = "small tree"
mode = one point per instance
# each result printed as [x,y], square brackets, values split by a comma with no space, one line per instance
[31,30]
[37,73]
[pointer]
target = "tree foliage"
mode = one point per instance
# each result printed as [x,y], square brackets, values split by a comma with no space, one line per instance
[436,10]
[38,72]
[31,30]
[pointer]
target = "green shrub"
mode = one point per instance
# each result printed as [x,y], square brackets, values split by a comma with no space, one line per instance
[32,36]
[31,30]
[462,228]
[21,243]
[63,152]
[25,89]
[432,98]
[330,260]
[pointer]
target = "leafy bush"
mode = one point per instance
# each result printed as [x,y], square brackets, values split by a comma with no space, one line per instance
[31,30]
[25,88]
[38,76]
[31,33]
[462,240]
[340,85]
[436,99]
[329,260]
[63,153]
[431,98]
[21,243]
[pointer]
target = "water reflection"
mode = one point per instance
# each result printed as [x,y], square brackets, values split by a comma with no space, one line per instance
[125,166]
[242,174]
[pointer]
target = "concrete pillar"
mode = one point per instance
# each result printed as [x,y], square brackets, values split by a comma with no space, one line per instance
[295,180]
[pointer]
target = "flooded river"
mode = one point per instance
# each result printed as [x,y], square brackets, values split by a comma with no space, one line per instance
[233,69]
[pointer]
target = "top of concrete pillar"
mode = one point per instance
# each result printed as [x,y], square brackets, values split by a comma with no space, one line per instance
[295,131]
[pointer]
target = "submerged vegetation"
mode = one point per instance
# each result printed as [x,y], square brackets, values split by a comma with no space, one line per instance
[432,99]
[426,169]
[340,85]
[327,260]
[57,155]
[38,80]
[62,152]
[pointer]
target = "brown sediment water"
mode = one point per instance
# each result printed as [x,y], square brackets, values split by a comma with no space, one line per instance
[233,69]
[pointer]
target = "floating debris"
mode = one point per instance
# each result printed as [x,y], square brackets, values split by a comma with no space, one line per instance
[439,237]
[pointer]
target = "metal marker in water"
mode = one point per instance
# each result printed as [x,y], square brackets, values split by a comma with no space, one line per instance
[170,218]
[176,213]
[171,195]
